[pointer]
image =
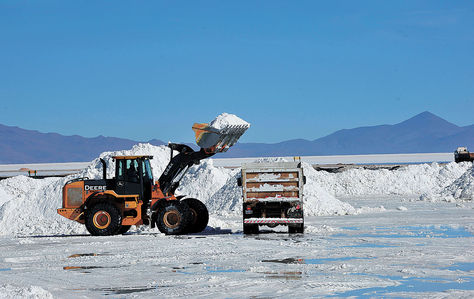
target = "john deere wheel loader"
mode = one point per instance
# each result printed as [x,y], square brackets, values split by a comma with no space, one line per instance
[132,197]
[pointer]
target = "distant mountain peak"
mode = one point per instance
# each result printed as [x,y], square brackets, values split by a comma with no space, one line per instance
[425,115]
[427,118]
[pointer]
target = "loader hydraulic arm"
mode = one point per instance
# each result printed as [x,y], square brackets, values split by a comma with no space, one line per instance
[179,164]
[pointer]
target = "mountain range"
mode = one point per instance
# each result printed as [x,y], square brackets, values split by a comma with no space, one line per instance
[423,133]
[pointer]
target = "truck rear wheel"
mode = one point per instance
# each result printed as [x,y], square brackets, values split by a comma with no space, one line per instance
[200,215]
[103,219]
[251,229]
[296,228]
[173,218]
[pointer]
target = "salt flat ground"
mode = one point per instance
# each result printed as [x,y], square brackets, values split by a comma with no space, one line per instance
[409,248]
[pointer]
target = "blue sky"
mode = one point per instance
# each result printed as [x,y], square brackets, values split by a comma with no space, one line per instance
[294,69]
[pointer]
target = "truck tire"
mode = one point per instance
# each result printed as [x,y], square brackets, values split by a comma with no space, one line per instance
[173,218]
[251,229]
[296,228]
[103,219]
[200,215]
[123,229]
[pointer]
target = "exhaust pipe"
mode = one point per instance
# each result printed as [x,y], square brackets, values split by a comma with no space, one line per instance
[104,169]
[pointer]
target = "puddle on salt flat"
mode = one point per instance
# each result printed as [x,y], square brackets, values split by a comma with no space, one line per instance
[466,267]
[5,269]
[222,270]
[87,254]
[350,228]
[314,261]
[444,232]
[410,285]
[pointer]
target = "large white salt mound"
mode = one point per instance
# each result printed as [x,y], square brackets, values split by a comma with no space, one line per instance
[317,201]
[30,207]
[225,119]
[407,180]
[228,199]
[203,180]
[461,189]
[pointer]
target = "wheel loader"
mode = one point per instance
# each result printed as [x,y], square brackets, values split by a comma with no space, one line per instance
[111,206]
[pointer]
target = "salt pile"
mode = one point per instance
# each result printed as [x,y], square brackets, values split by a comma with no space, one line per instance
[461,189]
[204,180]
[318,201]
[407,180]
[225,119]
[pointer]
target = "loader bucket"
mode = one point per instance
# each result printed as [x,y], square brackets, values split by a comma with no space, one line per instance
[218,140]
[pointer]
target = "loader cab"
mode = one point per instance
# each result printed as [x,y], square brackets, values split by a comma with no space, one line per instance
[133,176]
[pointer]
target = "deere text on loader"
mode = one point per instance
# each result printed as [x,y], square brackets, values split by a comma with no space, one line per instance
[132,197]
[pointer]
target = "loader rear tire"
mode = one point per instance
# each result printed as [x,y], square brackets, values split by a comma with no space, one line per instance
[173,218]
[103,219]
[200,215]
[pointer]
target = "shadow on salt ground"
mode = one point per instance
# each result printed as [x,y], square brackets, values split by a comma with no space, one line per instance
[411,285]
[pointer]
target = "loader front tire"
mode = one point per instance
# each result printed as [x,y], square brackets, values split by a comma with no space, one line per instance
[200,215]
[173,218]
[103,219]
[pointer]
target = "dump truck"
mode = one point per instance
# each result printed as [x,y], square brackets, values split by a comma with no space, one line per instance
[272,195]
[462,155]
[110,206]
